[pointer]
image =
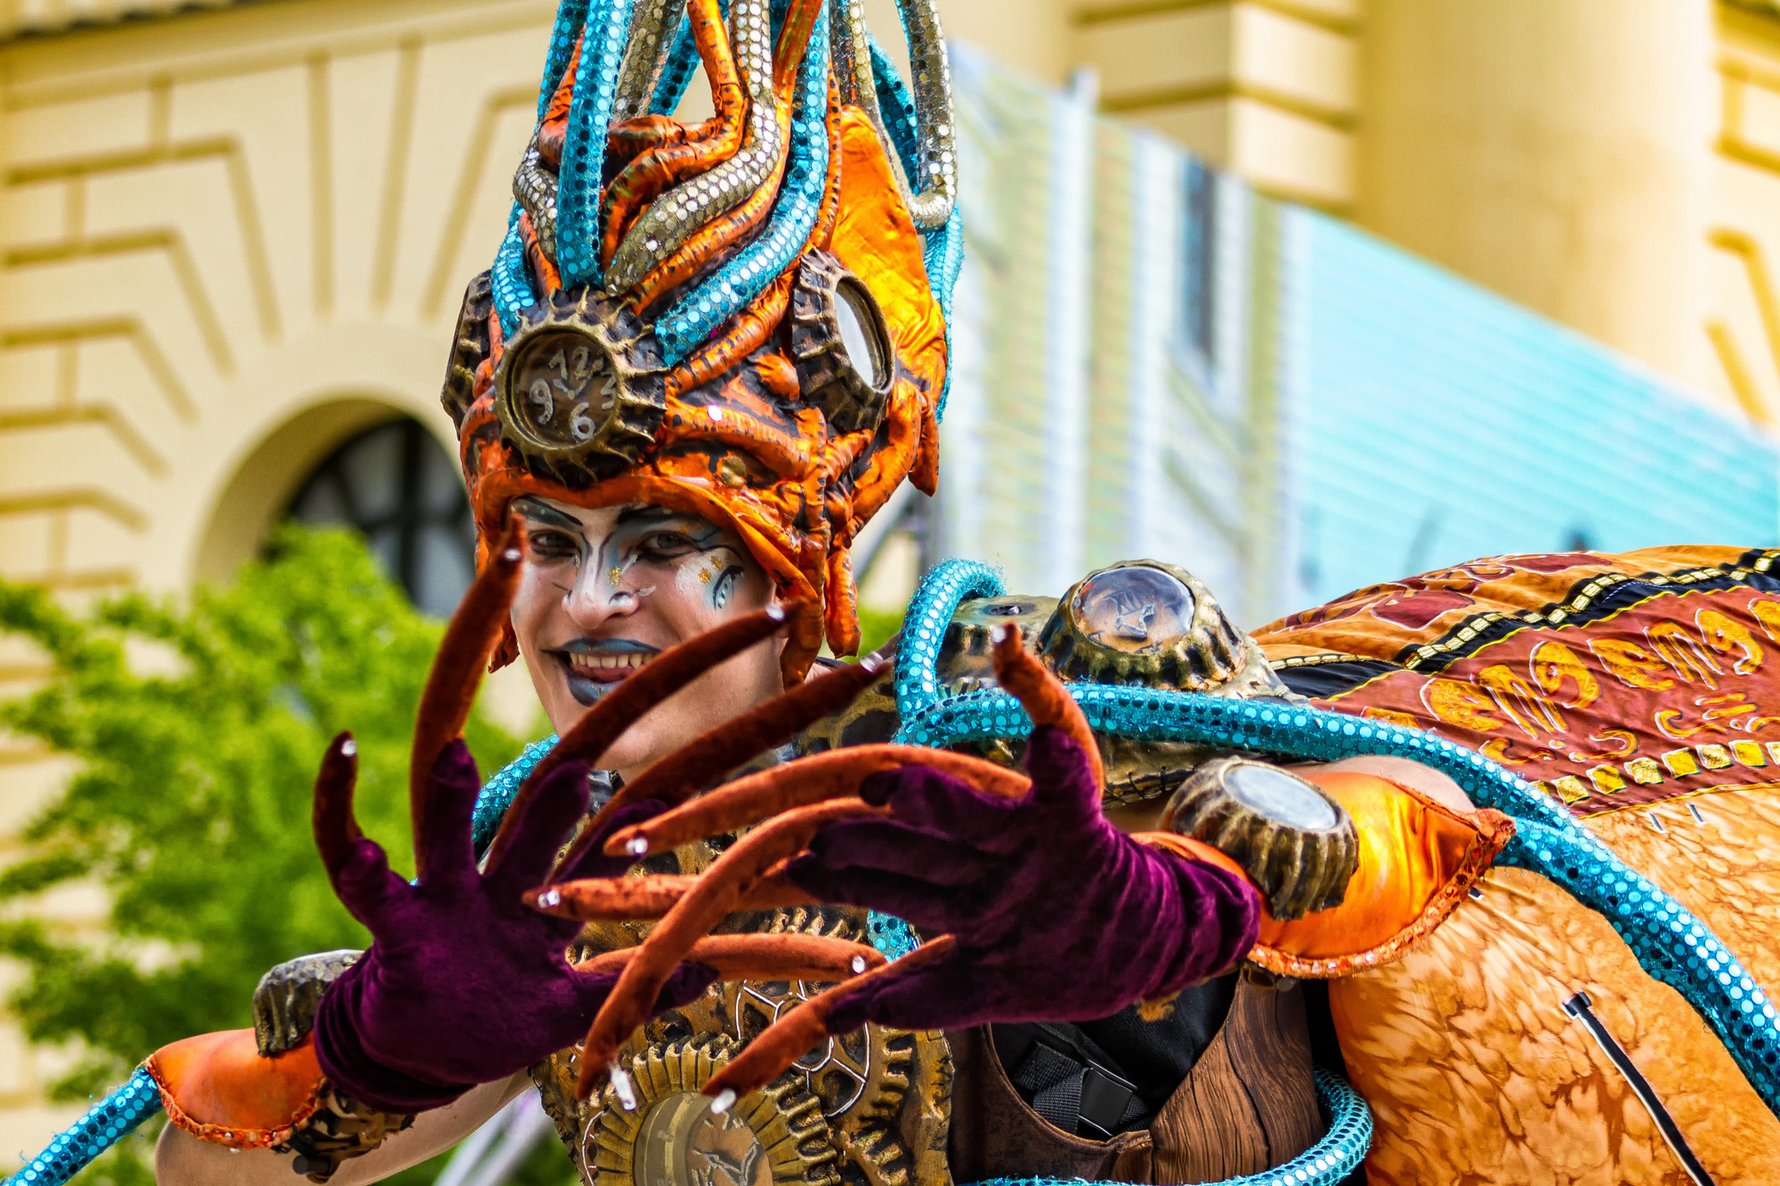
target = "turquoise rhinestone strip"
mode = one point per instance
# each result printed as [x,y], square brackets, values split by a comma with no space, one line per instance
[1681,951]
[698,314]
[924,629]
[509,280]
[1299,731]
[1325,1163]
[571,15]
[944,259]
[890,935]
[105,1124]
[584,146]
[497,793]
[1670,943]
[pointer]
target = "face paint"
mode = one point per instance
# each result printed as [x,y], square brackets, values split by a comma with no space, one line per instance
[606,589]
[723,586]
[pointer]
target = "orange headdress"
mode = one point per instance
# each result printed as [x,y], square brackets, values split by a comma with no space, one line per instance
[745,317]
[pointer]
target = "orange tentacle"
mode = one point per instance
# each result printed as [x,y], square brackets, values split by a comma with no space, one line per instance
[785,1041]
[794,40]
[470,639]
[555,125]
[648,895]
[543,269]
[816,779]
[763,957]
[1042,695]
[714,897]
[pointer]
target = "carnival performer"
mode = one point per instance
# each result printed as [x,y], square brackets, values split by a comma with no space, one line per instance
[1105,841]
[704,358]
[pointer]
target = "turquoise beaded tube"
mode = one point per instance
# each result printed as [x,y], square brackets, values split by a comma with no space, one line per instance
[584,144]
[104,1125]
[936,599]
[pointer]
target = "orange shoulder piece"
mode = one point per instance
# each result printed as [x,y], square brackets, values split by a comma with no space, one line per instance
[219,1088]
[1417,862]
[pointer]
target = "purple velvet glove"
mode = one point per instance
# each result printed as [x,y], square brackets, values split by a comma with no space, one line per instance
[1057,915]
[464,983]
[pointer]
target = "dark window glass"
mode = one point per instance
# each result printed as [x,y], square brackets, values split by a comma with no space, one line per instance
[398,488]
[1199,259]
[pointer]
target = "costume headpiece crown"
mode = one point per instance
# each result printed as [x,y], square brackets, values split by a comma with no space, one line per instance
[744,317]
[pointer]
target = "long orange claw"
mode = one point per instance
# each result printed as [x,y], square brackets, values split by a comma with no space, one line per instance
[1042,695]
[796,1031]
[817,958]
[470,639]
[816,779]
[649,895]
[696,765]
[718,891]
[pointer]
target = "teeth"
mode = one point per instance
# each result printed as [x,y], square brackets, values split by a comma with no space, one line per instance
[608,662]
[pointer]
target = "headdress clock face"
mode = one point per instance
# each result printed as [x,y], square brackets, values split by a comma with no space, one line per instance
[568,388]
[580,390]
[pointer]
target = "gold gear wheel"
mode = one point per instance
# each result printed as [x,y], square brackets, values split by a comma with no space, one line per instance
[580,389]
[1295,843]
[670,1137]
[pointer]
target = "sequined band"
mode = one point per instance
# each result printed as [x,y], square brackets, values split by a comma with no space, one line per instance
[924,629]
[104,1125]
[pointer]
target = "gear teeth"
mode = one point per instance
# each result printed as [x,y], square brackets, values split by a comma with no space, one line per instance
[852,398]
[468,350]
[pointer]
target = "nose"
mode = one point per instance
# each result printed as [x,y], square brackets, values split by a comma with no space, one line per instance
[597,596]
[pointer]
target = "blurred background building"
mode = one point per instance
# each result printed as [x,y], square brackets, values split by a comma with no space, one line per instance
[1302,294]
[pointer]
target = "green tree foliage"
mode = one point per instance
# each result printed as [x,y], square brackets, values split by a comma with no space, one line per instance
[196,734]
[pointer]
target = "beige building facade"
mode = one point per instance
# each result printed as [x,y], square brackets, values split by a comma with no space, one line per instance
[234,236]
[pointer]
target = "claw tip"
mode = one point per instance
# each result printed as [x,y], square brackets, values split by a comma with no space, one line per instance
[722,1102]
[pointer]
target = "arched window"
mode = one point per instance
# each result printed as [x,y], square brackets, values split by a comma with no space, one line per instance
[397,487]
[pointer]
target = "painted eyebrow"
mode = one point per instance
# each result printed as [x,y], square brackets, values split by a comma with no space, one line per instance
[532,508]
[649,513]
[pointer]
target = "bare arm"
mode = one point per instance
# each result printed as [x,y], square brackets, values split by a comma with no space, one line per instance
[183,1160]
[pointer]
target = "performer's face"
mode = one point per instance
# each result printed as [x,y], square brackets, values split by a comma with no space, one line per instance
[606,589]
